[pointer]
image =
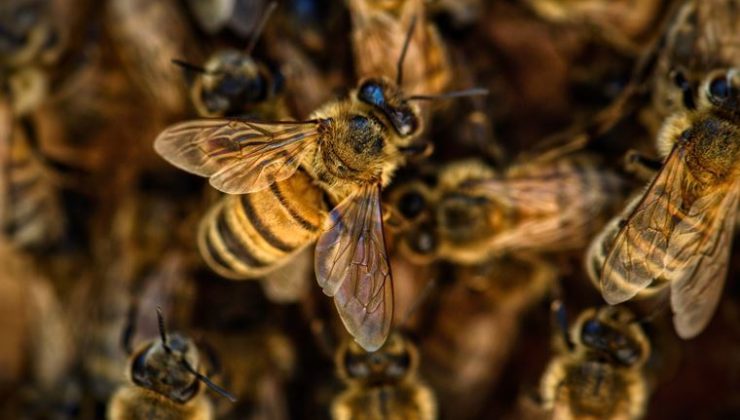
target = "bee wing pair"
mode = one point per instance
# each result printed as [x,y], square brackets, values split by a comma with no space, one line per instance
[676,235]
[351,263]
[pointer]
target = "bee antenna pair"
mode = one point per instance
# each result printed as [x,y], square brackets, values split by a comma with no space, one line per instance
[201,377]
[448,95]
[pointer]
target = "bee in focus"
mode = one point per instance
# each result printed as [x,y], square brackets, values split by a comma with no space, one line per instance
[382,384]
[232,83]
[679,231]
[598,371]
[477,214]
[379,28]
[167,382]
[350,149]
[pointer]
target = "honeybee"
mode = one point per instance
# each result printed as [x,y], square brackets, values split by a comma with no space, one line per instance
[477,214]
[350,149]
[166,382]
[240,16]
[382,384]
[379,29]
[599,369]
[31,214]
[702,36]
[679,231]
[37,354]
[232,83]
[146,35]
[491,299]
[28,32]
[621,23]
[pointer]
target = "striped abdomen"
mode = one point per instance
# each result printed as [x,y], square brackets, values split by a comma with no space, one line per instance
[31,212]
[246,236]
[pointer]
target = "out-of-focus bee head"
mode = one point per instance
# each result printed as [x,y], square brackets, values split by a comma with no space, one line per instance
[390,364]
[231,81]
[160,368]
[413,202]
[25,29]
[611,332]
[465,217]
[386,98]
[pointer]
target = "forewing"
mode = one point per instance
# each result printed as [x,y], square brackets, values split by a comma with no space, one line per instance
[239,156]
[352,266]
[640,252]
[694,298]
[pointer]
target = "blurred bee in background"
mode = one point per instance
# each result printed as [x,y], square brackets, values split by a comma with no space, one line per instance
[350,148]
[379,29]
[622,24]
[463,365]
[146,35]
[383,384]
[31,216]
[255,366]
[232,83]
[166,382]
[37,355]
[679,231]
[538,207]
[239,16]
[598,371]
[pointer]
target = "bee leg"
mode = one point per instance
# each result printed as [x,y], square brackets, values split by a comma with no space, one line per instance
[641,166]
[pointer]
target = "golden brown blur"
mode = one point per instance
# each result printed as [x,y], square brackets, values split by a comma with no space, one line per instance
[369,209]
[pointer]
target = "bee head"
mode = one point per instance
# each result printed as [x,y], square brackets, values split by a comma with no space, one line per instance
[230,80]
[413,202]
[385,97]
[611,332]
[390,364]
[159,367]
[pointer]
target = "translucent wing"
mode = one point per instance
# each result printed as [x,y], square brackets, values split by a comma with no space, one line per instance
[535,202]
[352,266]
[663,235]
[239,156]
[694,298]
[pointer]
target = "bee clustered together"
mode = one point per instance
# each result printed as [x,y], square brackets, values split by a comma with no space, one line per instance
[512,209]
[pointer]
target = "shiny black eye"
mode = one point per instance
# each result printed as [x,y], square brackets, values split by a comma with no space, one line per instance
[719,88]
[591,331]
[411,204]
[372,93]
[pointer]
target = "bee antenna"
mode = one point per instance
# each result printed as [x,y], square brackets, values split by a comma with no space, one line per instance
[188,66]
[203,378]
[450,95]
[261,26]
[162,330]
[129,329]
[406,42]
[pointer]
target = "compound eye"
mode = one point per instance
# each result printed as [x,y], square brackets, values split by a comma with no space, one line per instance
[719,88]
[411,204]
[372,93]
[591,330]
